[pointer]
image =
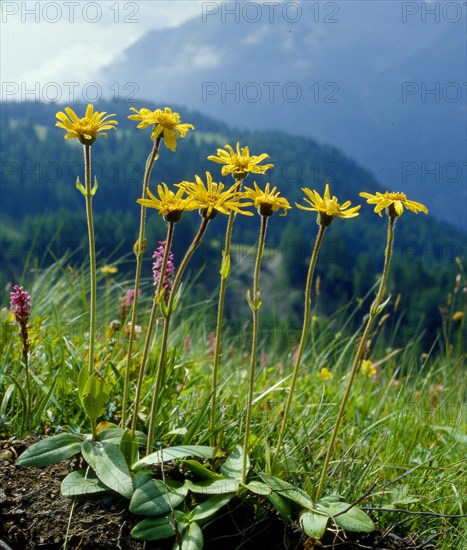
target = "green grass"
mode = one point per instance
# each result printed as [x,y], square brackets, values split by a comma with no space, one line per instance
[401,446]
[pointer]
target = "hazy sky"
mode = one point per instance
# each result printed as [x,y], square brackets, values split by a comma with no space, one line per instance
[47,44]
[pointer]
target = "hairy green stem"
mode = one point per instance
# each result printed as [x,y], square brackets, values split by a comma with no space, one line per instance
[301,346]
[152,321]
[165,335]
[255,304]
[139,251]
[92,255]
[220,315]
[358,357]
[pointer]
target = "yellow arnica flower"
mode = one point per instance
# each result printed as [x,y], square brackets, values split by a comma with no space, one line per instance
[268,201]
[367,368]
[394,202]
[171,205]
[109,270]
[165,122]
[324,374]
[458,316]
[328,208]
[85,129]
[240,163]
[211,198]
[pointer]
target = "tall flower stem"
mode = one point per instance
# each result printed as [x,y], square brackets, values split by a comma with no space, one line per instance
[225,271]
[165,335]
[139,251]
[92,254]
[255,304]
[374,311]
[301,347]
[152,321]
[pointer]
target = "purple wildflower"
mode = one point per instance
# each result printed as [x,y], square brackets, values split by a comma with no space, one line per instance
[126,302]
[20,302]
[158,258]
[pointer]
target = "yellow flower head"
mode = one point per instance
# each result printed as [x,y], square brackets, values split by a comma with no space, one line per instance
[211,198]
[268,201]
[169,204]
[240,163]
[325,374]
[458,316]
[328,208]
[394,202]
[109,270]
[367,368]
[85,129]
[165,122]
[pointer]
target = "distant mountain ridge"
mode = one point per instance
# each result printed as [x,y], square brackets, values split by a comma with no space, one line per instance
[387,88]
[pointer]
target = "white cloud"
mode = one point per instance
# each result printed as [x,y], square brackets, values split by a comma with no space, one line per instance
[66,41]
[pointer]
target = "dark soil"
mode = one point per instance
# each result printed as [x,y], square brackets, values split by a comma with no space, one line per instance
[33,515]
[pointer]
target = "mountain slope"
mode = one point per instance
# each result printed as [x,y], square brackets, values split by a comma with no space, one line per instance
[354,78]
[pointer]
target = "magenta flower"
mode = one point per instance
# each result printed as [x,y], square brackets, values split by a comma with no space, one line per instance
[158,258]
[20,303]
[126,302]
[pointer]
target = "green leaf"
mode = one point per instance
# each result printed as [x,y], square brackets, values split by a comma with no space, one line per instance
[225,267]
[313,524]
[156,497]
[78,484]
[287,490]
[95,187]
[354,520]
[377,310]
[217,487]
[200,470]
[172,453]
[209,507]
[129,447]
[282,505]
[82,379]
[95,396]
[80,187]
[159,528]
[109,464]
[259,488]
[51,450]
[233,466]
[256,303]
[114,435]
[192,538]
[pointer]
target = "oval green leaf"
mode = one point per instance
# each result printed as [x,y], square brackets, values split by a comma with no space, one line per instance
[313,524]
[233,466]
[110,466]
[192,538]
[78,484]
[217,487]
[159,528]
[155,498]
[287,490]
[51,450]
[172,453]
[209,507]
[354,520]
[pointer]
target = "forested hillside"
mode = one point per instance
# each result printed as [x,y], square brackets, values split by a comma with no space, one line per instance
[43,213]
